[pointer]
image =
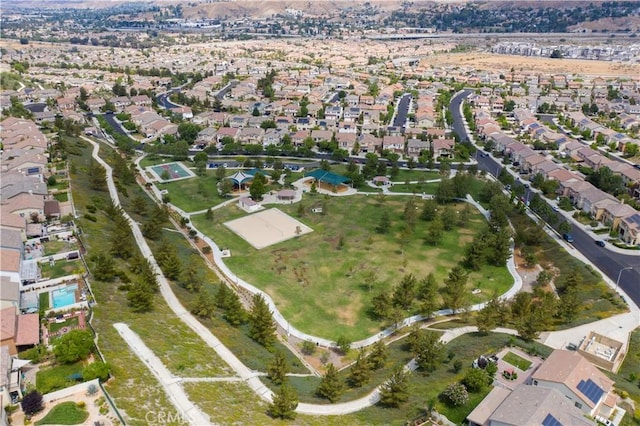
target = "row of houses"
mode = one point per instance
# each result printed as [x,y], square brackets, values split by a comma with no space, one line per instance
[584,196]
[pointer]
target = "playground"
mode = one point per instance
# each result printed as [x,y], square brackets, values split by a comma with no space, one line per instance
[267,228]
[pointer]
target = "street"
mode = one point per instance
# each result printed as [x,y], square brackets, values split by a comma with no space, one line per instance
[609,262]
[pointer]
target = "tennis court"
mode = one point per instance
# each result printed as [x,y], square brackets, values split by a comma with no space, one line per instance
[175,171]
[267,227]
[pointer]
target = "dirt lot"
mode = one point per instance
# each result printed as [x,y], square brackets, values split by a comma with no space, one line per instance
[489,61]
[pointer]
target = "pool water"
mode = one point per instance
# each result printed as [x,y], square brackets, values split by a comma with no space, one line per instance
[64,296]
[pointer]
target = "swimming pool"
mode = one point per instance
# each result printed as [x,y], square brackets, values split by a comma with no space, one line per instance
[64,296]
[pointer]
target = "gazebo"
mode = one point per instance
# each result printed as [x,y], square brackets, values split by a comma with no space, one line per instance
[286,195]
[240,179]
[328,178]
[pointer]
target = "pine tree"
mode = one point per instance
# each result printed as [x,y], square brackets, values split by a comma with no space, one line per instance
[140,296]
[222,296]
[284,404]
[379,355]
[331,386]
[204,306]
[190,278]
[278,368]
[454,294]
[395,391]
[262,328]
[404,293]
[234,313]
[360,371]
[428,294]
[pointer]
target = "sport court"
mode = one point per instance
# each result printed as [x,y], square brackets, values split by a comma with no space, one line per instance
[267,227]
[176,171]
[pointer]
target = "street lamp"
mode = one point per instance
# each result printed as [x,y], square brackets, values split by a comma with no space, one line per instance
[619,274]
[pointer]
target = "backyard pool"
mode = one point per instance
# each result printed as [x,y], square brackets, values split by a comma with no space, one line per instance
[64,296]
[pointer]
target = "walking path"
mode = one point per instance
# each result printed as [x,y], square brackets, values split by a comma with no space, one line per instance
[171,385]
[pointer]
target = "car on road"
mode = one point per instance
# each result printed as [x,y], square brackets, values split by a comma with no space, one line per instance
[508,187]
[567,237]
[556,208]
[526,185]
[600,243]
[484,154]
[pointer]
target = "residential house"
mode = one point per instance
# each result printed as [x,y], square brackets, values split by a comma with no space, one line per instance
[250,136]
[579,381]
[346,141]
[369,143]
[321,135]
[443,147]
[629,229]
[226,132]
[18,331]
[614,212]
[393,143]
[526,405]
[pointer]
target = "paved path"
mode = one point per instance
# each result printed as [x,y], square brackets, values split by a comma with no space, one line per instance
[171,385]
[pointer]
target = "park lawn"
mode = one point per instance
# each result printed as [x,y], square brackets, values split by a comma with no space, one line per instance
[235,403]
[61,268]
[415,188]
[65,413]
[415,175]
[152,160]
[517,361]
[56,377]
[196,193]
[321,289]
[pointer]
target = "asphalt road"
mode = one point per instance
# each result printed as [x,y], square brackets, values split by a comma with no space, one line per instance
[611,263]
[402,111]
[116,126]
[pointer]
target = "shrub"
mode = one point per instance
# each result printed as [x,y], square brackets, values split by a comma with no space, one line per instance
[308,347]
[32,403]
[92,389]
[81,404]
[456,394]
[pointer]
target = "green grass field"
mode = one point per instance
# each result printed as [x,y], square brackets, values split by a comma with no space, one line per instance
[517,361]
[320,288]
[65,413]
[57,377]
[61,268]
[197,193]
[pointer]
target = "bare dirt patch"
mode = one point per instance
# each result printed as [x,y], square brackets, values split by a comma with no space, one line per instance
[490,61]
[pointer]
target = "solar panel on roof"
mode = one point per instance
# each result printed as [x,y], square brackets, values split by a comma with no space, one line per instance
[551,421]
[590,390]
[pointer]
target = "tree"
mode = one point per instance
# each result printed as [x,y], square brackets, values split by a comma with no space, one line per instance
[343,344]
[427,348]
[382,305]
[97,176]
[395,390]
[456,394]
[435,232]
[278,368]
[284,404]
[405,292]
[96,370]
[331,386]
[476,379]
[32,403]
[261,326]
[429,210]
[258,187]
[204,305]
[385,222]
[410,215]
[454,292]
[140,296]
[360,371]
[73,346]
[308,347]
[379,355]
[234,312]
[103,267]
[428,294]
[564,227]
[225,187]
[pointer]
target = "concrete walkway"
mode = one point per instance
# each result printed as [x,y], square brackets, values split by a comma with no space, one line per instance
[188,411]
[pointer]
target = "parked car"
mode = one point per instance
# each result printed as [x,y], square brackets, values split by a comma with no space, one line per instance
[567,237]
[556,208]
[600,243]
[605,422]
